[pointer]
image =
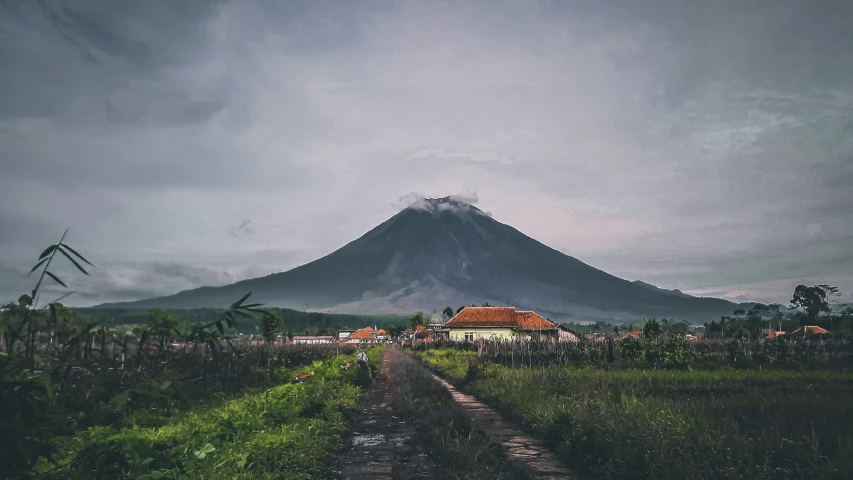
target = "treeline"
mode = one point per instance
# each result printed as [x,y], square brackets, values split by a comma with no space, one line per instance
[809,306]
[292,321]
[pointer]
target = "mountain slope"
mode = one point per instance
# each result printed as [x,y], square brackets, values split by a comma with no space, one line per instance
[445,252]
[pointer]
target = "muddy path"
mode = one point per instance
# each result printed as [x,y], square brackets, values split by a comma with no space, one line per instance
[523,450]
[384,445]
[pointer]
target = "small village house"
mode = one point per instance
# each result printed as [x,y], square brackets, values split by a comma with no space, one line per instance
[365,335]
[566,335]
[499,323]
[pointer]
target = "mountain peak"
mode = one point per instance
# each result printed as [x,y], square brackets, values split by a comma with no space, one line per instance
[450,203]
[445,251]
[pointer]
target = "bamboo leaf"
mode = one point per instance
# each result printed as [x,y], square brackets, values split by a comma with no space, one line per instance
[47,251]
[73,261]
[77,254]
[40,263]
[56,278]
[220,328]
[252,305]
[240,302]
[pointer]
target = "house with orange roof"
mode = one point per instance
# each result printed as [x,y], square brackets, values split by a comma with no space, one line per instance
[381,335]
[809,330]
[772,334]
[498,323]
[362,335]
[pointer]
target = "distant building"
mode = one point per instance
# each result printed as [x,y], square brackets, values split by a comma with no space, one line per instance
[344,333]
[770,334]
[809,331]
[436,321]
[566,335]
[362,336]
[499,323]
[313,339]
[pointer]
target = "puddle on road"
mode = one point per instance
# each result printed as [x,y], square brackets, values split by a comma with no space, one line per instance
[368,440]
[399,440]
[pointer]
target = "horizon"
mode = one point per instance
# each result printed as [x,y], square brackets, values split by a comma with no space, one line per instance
[705,149]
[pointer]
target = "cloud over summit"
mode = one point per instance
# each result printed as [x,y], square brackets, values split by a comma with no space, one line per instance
[660,143]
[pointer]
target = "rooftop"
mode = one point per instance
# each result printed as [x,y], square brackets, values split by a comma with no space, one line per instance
[507,317]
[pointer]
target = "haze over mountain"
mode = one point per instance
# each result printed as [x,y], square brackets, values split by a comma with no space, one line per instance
[440,252]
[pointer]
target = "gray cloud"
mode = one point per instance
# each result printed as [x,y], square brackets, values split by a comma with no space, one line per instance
[698,145]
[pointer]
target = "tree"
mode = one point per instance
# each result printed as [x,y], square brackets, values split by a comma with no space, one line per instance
[713,327]
[486,304]
[460,309]
[448,312]
[161,323]
[651,329]
[269,323]
[755,317]
[812,300]
[830,292]
[416,319]
[395,330]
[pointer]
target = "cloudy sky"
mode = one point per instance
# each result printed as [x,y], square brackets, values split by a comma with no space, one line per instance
[704,145]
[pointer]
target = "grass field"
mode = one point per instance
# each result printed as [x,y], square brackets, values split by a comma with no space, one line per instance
[631,423]
[289,431]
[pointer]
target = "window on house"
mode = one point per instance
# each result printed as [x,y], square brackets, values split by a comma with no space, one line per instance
[469,336]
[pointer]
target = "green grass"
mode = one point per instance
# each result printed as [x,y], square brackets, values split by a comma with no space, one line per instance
[458,448]
[290,431]
[632,423]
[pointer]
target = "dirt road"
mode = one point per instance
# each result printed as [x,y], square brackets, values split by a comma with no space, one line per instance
[385,446]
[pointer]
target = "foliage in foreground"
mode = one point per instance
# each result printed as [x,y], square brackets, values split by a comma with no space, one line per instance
[60,375]
[289,431]
[674,424]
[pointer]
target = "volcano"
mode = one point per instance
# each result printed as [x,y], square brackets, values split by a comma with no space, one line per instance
[440,252]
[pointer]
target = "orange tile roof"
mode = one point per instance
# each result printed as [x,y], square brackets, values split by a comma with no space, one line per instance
[360,334]
[810,330]
[499,317]
[381,331]
[532,321]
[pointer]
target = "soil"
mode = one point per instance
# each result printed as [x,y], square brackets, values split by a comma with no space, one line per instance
[383,445]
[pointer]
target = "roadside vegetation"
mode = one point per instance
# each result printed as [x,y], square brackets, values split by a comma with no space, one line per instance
[288,431]
[692,418]
[170,399]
